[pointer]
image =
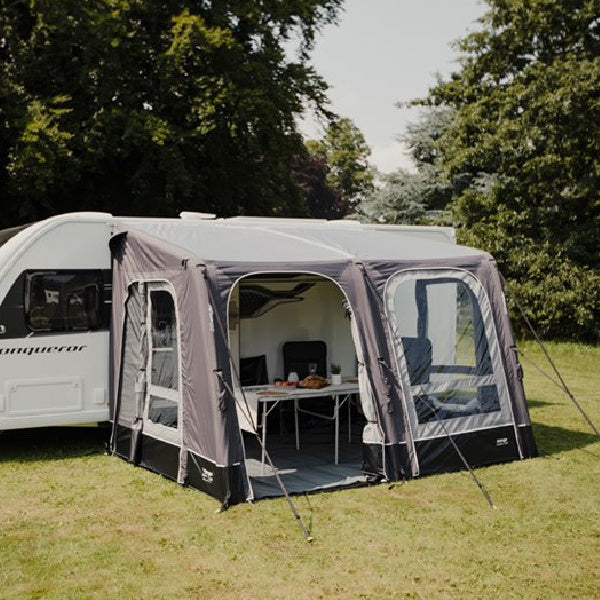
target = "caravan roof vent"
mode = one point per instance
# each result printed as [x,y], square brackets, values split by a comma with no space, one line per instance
[197,216]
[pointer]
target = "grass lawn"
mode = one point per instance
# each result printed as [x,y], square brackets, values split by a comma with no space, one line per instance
[77,524]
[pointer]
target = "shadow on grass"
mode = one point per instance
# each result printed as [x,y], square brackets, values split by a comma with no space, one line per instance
[52,443]
[552,440]
[57,443]
[538,403]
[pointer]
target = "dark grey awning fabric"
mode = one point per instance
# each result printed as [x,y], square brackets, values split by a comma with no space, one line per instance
[203,285]
[209,421]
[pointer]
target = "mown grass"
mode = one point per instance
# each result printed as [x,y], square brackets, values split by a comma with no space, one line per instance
[75,523]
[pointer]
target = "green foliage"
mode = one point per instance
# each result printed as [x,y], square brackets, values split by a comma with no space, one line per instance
[321,201]
[399,200]
[526,140]
[139,106]
[421,196]
[422,139]
[346,154]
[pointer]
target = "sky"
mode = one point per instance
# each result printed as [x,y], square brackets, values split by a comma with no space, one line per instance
[388,51]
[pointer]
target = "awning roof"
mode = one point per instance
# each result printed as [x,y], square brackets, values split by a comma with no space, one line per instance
[289,241]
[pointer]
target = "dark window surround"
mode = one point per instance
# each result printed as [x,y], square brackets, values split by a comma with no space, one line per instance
[13,314]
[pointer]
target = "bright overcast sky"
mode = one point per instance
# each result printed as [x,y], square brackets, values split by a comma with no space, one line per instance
[386,51]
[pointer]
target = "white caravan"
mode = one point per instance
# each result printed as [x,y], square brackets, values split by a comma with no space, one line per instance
[55,309]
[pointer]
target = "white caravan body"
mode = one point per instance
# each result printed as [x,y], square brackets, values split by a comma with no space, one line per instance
[53,363]
[55,300]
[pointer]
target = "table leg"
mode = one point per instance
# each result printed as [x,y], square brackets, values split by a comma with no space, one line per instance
[264,439]
[349,419]
[296,428]
[337,427]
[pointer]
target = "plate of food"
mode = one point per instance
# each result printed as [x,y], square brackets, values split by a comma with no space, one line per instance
[314,382]
[285,383]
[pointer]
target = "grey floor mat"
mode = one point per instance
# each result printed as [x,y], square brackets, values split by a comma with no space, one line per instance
[309,469]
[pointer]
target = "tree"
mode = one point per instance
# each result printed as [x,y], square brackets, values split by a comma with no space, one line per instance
[140,106]
[321,201]
[527,129]
[420,196]
[398,200]
[346,154]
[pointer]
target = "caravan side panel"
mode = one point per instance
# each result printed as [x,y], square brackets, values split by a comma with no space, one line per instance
[54,324]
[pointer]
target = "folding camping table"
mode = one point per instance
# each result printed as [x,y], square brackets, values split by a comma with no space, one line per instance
[271,396]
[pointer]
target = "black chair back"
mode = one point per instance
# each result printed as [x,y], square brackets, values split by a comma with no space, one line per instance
[253,370]
[298,355]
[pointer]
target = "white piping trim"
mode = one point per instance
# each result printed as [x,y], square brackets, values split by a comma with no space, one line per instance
[445,386]
[308,241]
[237,464]
[445,435]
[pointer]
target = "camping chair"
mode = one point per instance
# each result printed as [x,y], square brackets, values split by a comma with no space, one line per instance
[298,355]
[253,370]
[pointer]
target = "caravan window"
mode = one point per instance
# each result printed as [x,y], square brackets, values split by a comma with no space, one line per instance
[57,301]
[447,347]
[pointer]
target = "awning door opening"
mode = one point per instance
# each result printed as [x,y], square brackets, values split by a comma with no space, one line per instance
[314,437]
